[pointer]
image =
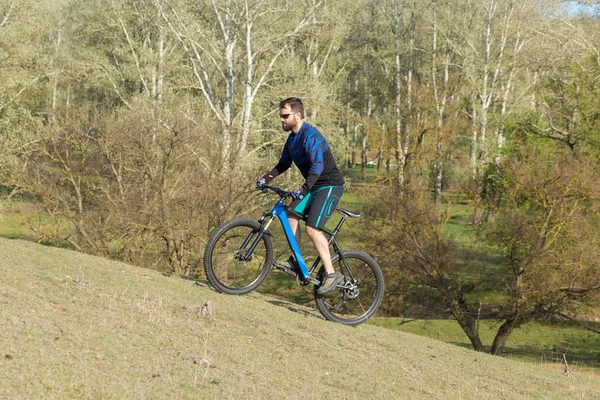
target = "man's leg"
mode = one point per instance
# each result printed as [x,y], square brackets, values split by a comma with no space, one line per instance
[322,246]
[324,203]
[331,278]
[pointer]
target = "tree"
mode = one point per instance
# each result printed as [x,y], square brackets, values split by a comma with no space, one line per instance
[18,66]
[548,234]
[442,93]
[385,80]
[24,60]
[232,50]
[115,186]
[491,43]
[567,112]
[423,265]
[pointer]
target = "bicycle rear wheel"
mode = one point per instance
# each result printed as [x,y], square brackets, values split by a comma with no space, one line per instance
[361,295]
[227,266]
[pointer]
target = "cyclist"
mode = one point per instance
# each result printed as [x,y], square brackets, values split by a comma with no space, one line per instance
[323,187]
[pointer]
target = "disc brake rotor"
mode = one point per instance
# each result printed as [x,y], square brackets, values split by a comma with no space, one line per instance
[351,289]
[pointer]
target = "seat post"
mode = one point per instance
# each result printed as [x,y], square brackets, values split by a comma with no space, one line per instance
[339,226]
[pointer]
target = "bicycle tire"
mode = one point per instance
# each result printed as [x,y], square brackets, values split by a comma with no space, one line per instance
[353,306]
[226,273]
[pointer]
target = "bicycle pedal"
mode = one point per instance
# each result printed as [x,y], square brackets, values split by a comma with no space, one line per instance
[283,267]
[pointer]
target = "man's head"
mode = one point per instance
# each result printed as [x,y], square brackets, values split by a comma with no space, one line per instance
[291,114]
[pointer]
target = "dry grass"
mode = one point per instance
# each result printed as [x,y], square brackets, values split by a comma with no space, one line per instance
[81,327]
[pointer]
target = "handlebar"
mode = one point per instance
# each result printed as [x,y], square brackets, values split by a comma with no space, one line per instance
[282,193]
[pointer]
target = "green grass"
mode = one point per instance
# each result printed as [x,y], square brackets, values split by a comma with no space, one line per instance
[81,327]
[355,174]
[11,222]
[533,342]
[17,217]
[11,228]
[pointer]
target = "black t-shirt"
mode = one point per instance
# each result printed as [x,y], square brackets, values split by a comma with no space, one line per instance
[309,150]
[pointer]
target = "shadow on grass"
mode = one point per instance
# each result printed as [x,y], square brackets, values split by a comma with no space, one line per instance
[553,356]
[296,308]
[282,285]
[198,282]
[298,304]
[47,243]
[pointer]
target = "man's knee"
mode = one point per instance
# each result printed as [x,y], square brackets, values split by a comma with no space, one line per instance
[312,231]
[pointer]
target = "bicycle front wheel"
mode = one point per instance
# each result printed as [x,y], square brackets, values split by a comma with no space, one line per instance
[229,266]
[362,290]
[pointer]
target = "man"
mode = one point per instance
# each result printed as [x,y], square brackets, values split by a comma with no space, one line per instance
[323,188]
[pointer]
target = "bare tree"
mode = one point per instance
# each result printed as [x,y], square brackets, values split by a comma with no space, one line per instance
[546,234]
[441,94]
[410,246]
[404,40]
[13,13]
[147,45]
[261,33]
[491,41]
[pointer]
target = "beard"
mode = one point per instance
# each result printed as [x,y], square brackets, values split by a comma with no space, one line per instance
[286,127]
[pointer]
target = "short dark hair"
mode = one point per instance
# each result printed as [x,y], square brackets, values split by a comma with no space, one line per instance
[294,103]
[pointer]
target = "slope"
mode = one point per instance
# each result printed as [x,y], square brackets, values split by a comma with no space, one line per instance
[75,326]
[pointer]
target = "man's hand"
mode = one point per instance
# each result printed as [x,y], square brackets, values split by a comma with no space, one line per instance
[299,194]
[260,182]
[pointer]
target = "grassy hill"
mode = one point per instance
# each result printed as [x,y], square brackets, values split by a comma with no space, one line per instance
[75,326]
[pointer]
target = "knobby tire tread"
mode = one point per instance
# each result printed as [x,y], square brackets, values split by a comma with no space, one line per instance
[320,300]
[210,246]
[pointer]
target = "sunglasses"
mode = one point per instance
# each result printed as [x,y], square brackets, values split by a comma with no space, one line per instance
[285,116]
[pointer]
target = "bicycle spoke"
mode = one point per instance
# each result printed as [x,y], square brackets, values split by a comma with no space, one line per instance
[339,306]
[361,295]
[227,265]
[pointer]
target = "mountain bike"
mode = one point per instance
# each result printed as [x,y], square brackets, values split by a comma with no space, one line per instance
[239,257]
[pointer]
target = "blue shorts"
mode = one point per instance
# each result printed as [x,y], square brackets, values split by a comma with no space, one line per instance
[317,206]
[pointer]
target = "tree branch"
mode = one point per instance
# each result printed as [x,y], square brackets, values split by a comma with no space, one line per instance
[16,96]
[133,52]
[579,323]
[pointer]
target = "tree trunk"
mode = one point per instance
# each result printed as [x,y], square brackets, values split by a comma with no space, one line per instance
[353,147]
[380,149]
[400,124]
[440,96]
[364,158]
[490,214]
[502,336]
[477,213]
[465,319]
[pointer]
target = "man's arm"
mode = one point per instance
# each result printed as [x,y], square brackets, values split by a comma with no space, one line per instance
[315,148]
[285,162]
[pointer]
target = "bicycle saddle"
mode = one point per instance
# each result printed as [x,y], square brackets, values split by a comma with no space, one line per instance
[348,213]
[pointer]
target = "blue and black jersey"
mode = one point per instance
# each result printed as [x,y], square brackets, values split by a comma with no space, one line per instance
[309,150]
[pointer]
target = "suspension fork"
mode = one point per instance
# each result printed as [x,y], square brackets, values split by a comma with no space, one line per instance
[264,225]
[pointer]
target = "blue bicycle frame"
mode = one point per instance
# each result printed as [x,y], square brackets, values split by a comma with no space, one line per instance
[279,210]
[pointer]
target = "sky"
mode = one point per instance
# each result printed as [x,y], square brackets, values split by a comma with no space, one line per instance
[575,8]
